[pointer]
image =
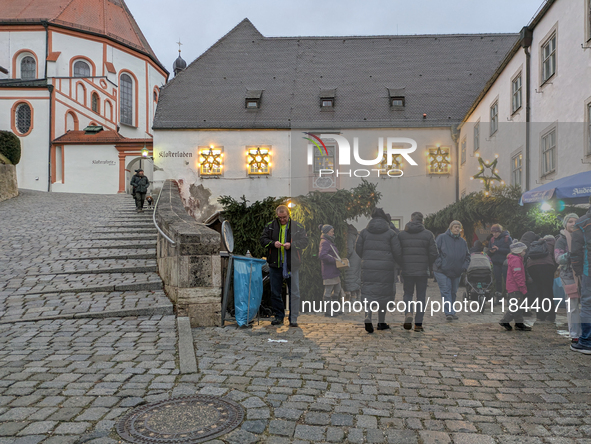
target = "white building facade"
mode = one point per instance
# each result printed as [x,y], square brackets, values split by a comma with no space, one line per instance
[535,112]
[63,71]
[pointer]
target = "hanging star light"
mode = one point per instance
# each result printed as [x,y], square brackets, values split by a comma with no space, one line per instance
[396,162]
[487,180]
[439,161]
[211,161]
[258,161]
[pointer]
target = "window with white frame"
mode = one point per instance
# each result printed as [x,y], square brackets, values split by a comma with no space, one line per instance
[477,136]
[126,99]
[494,118]
[81,69]
[258,160]
[549,58]
[516,93]
[210,161]
[516,169]
[324,161]
[28,68]
[439,160]
[463,154]
[549,152]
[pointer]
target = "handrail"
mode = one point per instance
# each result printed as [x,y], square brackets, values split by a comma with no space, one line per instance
[173,243]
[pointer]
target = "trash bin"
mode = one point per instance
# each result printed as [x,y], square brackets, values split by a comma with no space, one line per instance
[248,288]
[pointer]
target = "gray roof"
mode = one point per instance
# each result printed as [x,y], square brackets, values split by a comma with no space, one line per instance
[439,75]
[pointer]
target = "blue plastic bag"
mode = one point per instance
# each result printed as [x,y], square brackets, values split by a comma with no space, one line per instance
[248,288]
[558,291]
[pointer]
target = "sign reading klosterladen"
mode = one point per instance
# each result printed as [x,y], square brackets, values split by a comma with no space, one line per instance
[174,154]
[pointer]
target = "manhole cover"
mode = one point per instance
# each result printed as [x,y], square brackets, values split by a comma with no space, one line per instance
[186,420]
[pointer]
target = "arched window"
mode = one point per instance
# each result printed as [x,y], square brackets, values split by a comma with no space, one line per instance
[155,96]
[28,68]
[81,69]
[108,110]
[22,118]
[126,99]
[95,103]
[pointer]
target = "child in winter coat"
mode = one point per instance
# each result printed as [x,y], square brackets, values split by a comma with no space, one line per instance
[516,287]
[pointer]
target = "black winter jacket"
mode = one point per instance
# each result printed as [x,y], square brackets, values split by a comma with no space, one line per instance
[454,257]
[296,235]
[140,183]
[379,249]
[503,243]
[418,249]
[580,255]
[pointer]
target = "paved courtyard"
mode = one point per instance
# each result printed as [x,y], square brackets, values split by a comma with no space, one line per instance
[86,334]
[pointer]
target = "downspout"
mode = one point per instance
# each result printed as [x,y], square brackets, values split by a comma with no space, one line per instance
[50,88]
[526,41]
[455,136]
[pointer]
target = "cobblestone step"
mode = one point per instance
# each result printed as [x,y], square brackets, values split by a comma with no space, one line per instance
[109,253]
[96,266]
[119,244]
[85,304]
[125,237]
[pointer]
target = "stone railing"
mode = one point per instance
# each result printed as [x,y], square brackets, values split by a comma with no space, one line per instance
[8,185]
[190,269]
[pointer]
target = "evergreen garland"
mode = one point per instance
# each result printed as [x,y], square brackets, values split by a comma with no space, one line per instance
[311,210]
[500,206]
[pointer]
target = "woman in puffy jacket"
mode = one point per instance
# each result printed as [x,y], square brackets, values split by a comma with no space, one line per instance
[327,254]
[562,256]
[498,249]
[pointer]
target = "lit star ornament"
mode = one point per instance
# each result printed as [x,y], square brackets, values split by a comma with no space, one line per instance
[211,161]
[487,180]
[439,160]
[258,160]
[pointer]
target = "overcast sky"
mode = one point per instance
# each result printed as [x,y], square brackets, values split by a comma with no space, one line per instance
[199,24]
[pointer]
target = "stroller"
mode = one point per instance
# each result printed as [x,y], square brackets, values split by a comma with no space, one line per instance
[479,279]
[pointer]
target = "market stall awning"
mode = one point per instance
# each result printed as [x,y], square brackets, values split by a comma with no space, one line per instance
[574,189]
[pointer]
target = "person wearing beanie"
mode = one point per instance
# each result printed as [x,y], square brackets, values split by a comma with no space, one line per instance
[328,255]
[140,184]
[580,258]
[453,260]
[379,249]
[516,288]
[498,249]
[562,256]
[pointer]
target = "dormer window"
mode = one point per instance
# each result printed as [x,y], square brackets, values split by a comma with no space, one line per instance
[397,98]
[327,97]
[253,99]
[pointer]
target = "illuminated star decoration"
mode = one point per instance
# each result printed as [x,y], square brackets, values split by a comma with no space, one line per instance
[396,162]
[211,161]
[439,160]
[258,161]
[487,180]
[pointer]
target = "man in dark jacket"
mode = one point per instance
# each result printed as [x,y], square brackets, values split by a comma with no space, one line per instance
[418,254]
[498,249]
[581,262]
[284,240]
[379,250]
[140,184]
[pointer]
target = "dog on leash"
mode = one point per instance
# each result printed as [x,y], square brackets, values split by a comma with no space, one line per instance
[150,202]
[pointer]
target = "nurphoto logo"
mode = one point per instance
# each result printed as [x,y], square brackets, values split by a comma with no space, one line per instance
[344,154]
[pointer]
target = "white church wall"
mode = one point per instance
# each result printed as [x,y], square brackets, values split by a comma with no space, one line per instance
[14,42]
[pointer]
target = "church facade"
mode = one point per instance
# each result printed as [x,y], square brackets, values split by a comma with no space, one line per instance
[79,85]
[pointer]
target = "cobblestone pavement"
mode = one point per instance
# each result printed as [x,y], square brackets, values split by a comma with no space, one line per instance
[66,381]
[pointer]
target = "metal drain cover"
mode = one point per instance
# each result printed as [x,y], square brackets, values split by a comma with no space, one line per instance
[186,420]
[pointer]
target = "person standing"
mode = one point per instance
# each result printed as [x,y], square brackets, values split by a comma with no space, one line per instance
[516,288]
[140,184]
[379,249]
[284,239]
[498,249]
[453,260]
[580,257]
[331,277]
[353,273]
[541,267]
[419,251]
[562,256]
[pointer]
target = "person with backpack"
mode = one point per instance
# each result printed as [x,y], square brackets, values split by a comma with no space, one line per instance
[562,251]
[541,267]
[498,249]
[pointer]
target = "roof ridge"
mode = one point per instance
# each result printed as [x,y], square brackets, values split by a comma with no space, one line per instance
[244,21]
[385,36]
[62,11]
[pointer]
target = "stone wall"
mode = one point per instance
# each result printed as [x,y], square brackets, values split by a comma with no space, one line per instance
[191,269]
[8,185]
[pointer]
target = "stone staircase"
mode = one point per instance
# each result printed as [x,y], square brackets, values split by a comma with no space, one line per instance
[107,269]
